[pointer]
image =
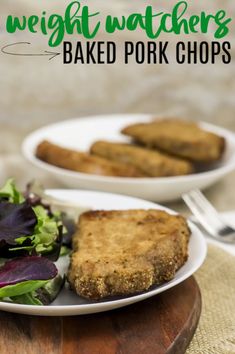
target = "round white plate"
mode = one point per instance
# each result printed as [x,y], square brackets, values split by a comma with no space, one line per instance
[68,303]
[81,133]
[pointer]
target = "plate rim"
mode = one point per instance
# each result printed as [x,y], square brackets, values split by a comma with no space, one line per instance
[29,155]
[60,310]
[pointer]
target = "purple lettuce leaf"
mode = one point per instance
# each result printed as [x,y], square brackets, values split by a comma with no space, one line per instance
[16,220]
[26,268]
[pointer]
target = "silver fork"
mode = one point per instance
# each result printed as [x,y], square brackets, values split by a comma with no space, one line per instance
[208,216]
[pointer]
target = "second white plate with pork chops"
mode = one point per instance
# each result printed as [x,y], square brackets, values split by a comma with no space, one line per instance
[80,133]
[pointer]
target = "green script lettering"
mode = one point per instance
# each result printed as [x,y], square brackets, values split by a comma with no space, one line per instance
[193,22]
[78,19]
[113,24]
[222,29]
[56,23]
[149,16]
[33,20]
[177,22]
[82,22]
[134,21]
[14,23]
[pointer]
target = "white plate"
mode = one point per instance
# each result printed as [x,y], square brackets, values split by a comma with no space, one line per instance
[81,133]
[68,303]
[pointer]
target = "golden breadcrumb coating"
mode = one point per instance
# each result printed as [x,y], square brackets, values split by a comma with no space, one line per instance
[180,138]
[152,163]
[126,252]
[83,162]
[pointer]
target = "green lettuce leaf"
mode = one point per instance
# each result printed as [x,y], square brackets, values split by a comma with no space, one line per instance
[47,235]
[21,288]
[43,295]
[26,299]
[64,251]
[9,192]
[49,292]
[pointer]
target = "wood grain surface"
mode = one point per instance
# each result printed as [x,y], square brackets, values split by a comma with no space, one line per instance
[162,324]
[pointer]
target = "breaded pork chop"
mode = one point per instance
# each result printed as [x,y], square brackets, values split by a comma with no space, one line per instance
[180,138]
[82,162]
[152,163]
[125,252]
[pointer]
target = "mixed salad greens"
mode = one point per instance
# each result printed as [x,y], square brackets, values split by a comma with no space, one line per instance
[31,239]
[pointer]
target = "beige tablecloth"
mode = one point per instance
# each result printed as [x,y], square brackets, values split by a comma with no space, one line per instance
[216,330]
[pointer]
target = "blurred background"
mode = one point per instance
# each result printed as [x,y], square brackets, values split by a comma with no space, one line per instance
[35,91]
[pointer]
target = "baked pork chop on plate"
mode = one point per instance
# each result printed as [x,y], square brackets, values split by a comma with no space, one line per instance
[126,252]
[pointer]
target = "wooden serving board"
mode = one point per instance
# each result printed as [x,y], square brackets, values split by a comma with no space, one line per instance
[163,324]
